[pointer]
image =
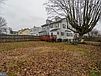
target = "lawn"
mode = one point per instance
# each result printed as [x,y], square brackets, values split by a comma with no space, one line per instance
[37,58]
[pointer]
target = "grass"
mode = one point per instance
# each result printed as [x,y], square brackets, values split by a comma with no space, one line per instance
[49,59]
[14,45]
[94,73]
[61,46]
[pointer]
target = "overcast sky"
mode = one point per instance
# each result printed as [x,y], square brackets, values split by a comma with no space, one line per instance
[25,13]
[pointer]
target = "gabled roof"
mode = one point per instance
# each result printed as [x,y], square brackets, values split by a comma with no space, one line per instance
[22,30]
[57,21]
[53,22]
[42,31]
[54,29]
[44,25]
[67,30]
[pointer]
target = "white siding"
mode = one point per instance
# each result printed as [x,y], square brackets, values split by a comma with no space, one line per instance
[61,27]
[35,31]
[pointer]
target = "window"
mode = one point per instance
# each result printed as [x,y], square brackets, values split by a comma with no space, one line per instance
[57,33]
[47,27]
[69,34]
[43,28]
[4,30]
[64,26]
[51,26]
[52,34]
[57,25]
[62,33]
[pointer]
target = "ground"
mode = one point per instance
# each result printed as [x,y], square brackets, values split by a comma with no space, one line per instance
[37,58]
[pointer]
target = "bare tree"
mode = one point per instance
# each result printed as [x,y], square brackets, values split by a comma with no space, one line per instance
[82,15]
[94,33]
[2,22]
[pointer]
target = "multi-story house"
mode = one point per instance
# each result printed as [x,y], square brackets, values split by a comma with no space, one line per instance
[35,31]
[57,28]
[45,28]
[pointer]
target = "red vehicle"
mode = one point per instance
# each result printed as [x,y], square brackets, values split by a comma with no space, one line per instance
[48,38]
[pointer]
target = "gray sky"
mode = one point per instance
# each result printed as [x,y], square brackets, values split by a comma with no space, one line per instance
[26,13]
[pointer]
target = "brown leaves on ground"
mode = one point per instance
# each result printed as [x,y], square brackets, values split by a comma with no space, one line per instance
[50,59]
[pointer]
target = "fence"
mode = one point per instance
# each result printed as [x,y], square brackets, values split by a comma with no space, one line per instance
[95,39]
[16,38]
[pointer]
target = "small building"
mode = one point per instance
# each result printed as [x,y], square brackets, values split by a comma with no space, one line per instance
[25,31]
[35,31]
[14,32]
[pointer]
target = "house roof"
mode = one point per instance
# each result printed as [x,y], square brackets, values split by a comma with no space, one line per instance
[67,30]
[36,27]
[44,25]
[42,31]
[53,22]
[57,21]
[22,30]
[54,29]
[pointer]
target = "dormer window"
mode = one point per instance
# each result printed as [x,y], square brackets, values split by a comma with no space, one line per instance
[51,26]
[57,25]
[64,26]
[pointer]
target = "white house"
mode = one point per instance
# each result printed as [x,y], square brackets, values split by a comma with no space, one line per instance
[35,31]
[57,28]
[5,30]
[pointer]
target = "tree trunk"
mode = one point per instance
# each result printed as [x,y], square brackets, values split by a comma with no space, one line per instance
[80,39]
